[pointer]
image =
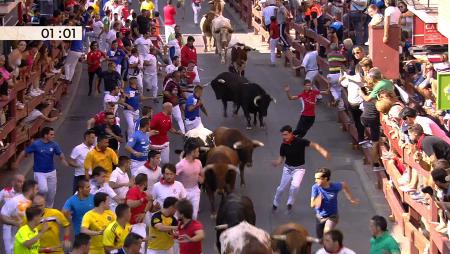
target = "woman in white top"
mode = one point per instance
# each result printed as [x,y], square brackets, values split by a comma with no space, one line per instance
[392,16]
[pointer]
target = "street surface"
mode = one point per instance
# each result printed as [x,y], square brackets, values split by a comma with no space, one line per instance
[262,178]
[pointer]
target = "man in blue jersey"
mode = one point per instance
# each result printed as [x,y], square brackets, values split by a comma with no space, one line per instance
[44,150]
[138,145]
[324,196]
[116,55]
[146,112]
[133,98]
[79,204]
[192,109]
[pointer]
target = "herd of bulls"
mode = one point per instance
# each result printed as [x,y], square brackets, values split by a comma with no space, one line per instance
[224,153]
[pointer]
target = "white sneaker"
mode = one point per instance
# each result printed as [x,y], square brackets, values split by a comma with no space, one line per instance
[56,71]
[366,43]
[40,90]
[34,93]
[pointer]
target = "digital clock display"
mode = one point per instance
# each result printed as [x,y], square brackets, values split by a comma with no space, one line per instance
[67,33]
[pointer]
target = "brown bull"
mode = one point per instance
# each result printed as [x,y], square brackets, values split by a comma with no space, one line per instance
[239,56]
[220,172]
[291,238]
[233,138]
[205,27]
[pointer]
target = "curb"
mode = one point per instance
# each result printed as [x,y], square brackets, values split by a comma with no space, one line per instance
[376,197]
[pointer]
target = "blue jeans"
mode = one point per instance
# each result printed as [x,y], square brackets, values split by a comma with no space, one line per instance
[360,24]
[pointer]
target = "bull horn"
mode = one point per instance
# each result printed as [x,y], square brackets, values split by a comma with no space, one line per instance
[311,239]
[233,167]
[273,99]
[221,81]
[208,167]
[237,145]
[257,143]
[222,226]
[255,101]
[279,237]
[230,30]
[204,148]
[207,84]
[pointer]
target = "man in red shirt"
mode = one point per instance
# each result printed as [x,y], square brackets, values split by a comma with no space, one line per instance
[169,19]
[274,37]
[162,124]
[308,100]
[94,61]
[139,203]
[190,232]
[188,52]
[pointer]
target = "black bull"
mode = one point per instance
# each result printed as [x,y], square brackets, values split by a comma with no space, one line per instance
[251,97]
[233,209]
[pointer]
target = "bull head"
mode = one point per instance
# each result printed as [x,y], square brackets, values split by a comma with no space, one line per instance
[256,143]
[230,167]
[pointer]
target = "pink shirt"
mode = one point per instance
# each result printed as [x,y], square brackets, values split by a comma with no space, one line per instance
[431,128]
[188,173]
[169,15]
[6,74]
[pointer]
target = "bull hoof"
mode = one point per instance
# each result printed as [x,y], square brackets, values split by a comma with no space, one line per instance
[213,216]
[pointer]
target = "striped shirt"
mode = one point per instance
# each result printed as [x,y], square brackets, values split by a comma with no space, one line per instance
[336,62]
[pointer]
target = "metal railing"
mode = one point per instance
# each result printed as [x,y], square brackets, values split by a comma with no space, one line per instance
[426,5]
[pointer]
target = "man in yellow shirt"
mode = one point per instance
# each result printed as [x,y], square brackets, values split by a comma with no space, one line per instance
[116,232]
[149,6]
[28,236]
[95,222]
[54,219]
[163,223]
[101,156]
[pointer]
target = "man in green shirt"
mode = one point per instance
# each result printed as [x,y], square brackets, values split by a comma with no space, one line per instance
[382,242]
[375,79]
[28,236]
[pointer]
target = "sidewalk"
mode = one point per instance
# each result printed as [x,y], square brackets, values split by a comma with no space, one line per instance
[26,166]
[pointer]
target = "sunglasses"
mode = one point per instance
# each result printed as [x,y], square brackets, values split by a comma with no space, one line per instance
[358,52]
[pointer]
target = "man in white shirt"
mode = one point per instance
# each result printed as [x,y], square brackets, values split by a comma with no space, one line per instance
[112,97]
[13,213]
[173,66]
[267,12]
[97,29]
[333,243]
[151,169]
[119,180]
[15,189]
[98,184]
[78,155]
[135,66]
[111,36]
[168,187]
[150,78]
[143,44]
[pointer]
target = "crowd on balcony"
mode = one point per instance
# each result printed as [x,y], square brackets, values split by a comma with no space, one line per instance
[360,91]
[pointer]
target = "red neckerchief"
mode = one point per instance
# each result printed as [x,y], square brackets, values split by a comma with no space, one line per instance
[289,141]
[419,142]
[147,165]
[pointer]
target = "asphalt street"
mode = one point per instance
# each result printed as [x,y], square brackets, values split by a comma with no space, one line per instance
[262,178]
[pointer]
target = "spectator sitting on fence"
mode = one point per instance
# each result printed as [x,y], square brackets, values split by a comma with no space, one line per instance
[37,113]
[440,177]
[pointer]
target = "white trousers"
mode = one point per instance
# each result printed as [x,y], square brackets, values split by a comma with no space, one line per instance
[291,177]
[169,251]
[311,75]
[131,117]
[139,81]
[140,229]
[168,30]
[193,195]
[196,11]
[9,233]
[150,82]
[197,77]
[119,68]
[273,47]
[176,114]
[71,63]
[47,186]
[165,152]
[135,165]
[190,125]
[335,88]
